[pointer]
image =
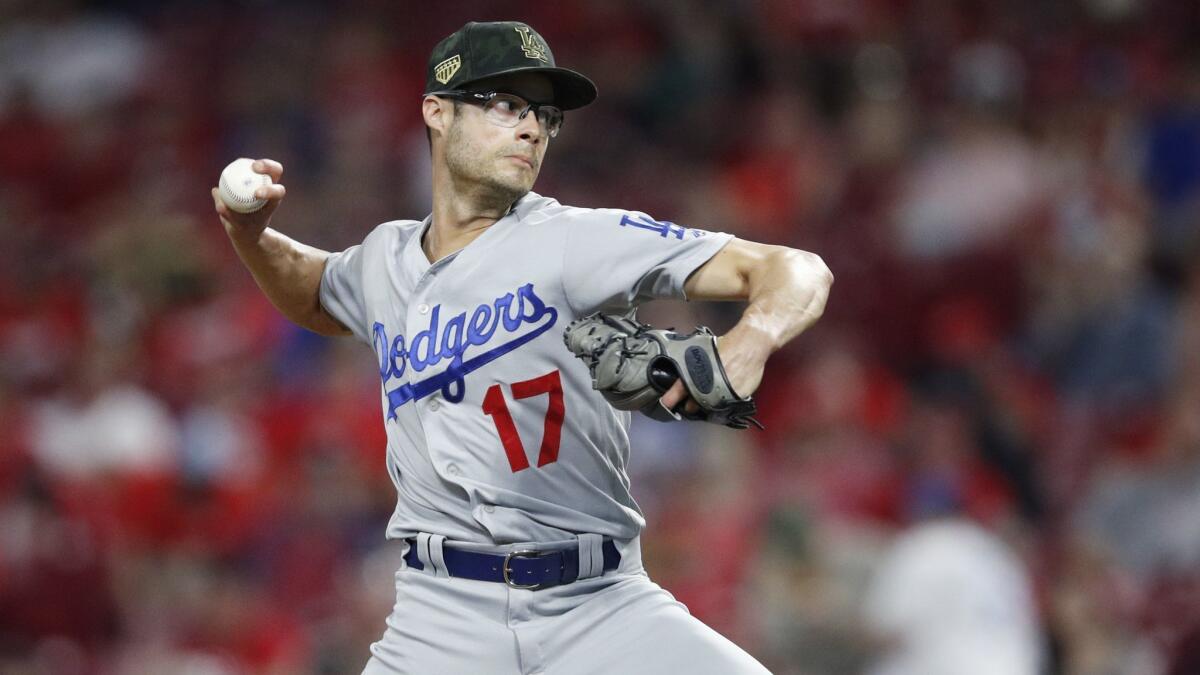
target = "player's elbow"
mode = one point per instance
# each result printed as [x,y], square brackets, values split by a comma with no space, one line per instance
[817,269]
[804,265]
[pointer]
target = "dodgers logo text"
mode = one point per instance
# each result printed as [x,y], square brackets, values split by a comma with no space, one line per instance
[450,339]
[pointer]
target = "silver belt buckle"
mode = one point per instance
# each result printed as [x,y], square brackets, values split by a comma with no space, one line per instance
[524,553]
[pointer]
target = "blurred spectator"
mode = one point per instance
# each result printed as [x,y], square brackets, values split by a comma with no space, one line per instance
[71,64]
[950,597]
[103,424]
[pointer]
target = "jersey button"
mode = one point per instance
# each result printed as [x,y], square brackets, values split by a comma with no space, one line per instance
[452,469]
[489,508]
[423,308]
[434,405]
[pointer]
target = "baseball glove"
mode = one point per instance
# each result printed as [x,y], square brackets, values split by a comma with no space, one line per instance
[633,364]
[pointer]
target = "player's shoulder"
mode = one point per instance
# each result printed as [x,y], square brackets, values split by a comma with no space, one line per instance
[539,209]
[392,233]
[585,224]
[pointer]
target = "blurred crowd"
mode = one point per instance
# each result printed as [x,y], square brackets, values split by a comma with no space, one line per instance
[987,453]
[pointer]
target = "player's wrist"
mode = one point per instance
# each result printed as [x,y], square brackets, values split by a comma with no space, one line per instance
[752,338]
[245,236]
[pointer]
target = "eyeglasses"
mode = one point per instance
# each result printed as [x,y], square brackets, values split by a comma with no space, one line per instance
[507,110]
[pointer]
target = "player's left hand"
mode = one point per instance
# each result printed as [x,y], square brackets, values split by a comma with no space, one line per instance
[632,364]
[744,360]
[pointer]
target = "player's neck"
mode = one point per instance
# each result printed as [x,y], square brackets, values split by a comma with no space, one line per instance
[462,202]
[458,218]
[455,226]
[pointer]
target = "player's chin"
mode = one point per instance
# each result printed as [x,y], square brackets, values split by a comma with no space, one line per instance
[520,169]
[508,189]
[520,177]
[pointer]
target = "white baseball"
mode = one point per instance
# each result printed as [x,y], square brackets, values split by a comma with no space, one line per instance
[237,186]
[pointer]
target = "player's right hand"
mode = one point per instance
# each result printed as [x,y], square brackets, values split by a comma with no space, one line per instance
[251,225]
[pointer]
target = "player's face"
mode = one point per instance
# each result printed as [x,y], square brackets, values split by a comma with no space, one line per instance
[505,160]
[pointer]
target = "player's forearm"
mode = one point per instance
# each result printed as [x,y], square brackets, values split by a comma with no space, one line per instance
[289,274]
[786,295]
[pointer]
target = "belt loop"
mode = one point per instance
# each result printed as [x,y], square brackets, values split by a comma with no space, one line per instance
[437,555]
[429,552]
[591,555]
[423,550]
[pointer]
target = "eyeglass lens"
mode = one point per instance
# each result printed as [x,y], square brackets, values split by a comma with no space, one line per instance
[507,110]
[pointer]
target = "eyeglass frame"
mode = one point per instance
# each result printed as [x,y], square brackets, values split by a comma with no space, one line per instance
[481,98]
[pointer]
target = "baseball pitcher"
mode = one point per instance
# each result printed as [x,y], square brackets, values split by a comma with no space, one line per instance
[509,364]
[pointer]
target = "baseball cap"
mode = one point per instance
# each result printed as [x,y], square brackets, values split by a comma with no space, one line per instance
[479,50]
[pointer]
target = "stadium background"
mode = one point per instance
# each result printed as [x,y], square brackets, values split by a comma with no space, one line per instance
[1007,193]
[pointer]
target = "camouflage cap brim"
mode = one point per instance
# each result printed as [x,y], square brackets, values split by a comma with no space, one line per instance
[571,90]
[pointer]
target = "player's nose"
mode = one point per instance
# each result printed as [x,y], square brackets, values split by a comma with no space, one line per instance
[529,129]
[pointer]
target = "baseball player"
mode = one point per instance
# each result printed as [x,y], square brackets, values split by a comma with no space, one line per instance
[520,535]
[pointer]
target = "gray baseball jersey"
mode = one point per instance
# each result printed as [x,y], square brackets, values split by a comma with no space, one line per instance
[494,433]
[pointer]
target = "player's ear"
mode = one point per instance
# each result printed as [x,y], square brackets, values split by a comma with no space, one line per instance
[438,113]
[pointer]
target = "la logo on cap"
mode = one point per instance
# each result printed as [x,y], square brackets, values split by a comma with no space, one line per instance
[445,70]
[532,48]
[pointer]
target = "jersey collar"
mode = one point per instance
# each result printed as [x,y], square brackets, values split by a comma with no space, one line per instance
[516,213]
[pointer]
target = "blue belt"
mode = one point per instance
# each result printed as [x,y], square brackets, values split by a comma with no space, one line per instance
[531,570]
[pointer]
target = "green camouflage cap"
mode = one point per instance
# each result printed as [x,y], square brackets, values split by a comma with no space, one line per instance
[479,50]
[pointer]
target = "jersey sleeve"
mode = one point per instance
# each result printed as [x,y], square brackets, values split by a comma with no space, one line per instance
[342,291]
[614,260]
